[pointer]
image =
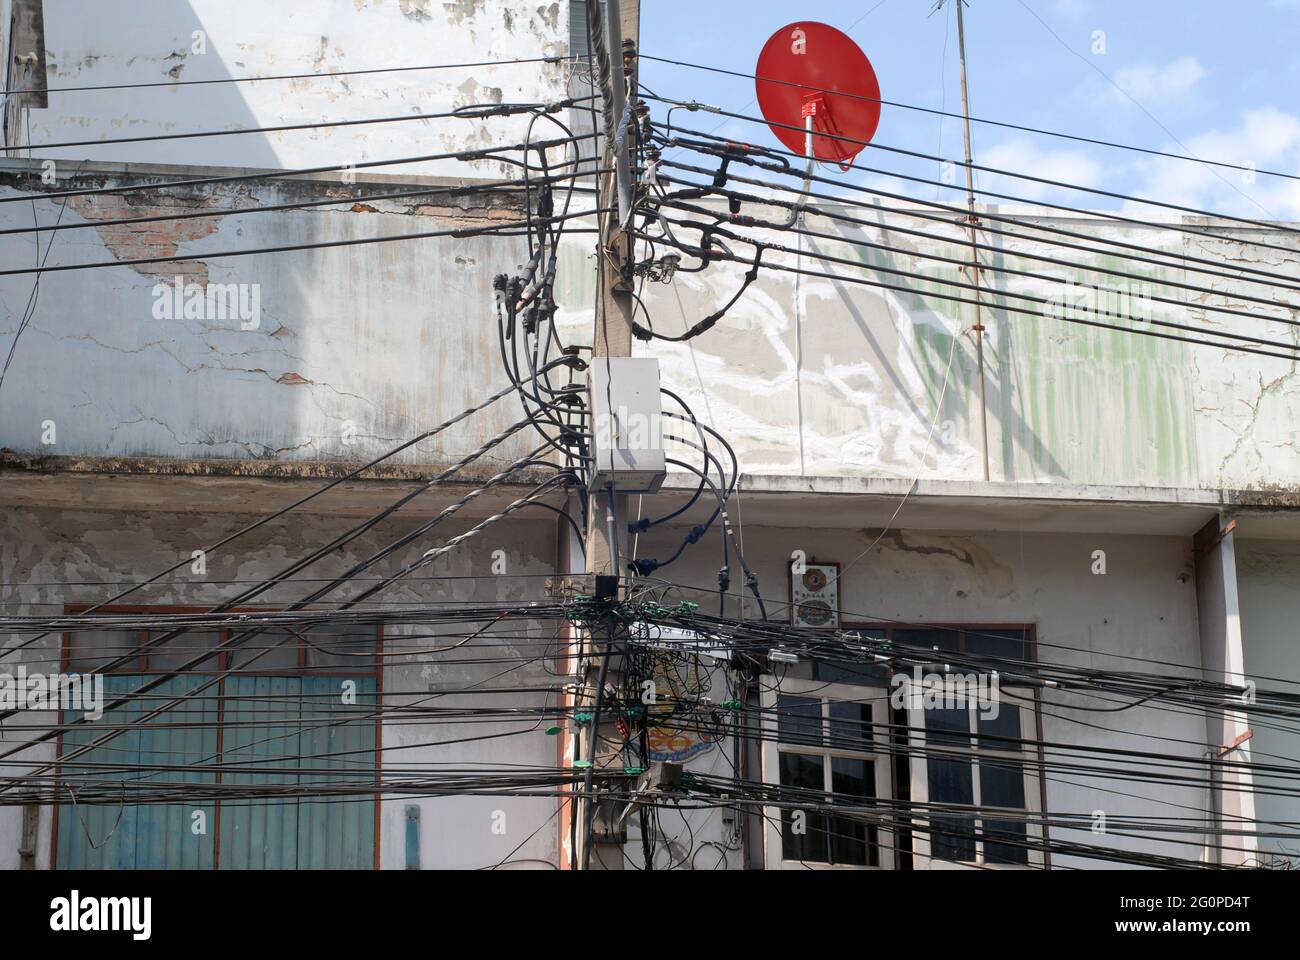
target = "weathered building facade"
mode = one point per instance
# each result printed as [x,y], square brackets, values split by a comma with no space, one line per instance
[1140,506]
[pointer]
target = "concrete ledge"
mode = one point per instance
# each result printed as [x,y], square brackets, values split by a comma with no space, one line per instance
[20,169]
[1281,498]
[218,467]
[1057,492]
[248,487]
[254,486]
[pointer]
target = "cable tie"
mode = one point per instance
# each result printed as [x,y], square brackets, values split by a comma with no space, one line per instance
[622,125]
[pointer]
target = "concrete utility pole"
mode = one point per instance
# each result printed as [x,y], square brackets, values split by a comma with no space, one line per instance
[974,228]
[601,661]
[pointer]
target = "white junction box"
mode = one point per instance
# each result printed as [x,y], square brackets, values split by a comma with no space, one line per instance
[627,424]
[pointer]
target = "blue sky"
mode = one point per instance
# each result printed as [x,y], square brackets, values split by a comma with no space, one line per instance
[1214,79]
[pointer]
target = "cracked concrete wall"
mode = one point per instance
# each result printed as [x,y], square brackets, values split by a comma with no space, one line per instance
[806,376]
[1248,408]
[824,377]
[355,349]
[157,41]
[43,549]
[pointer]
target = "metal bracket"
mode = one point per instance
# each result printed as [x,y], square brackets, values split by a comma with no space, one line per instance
[1225,750]
[662,777]
[1223,535]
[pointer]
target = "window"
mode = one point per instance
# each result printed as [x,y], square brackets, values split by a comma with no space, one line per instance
[974,760]
[832,739]
[265,713]
[1013,643]
[824,747]
[974,750]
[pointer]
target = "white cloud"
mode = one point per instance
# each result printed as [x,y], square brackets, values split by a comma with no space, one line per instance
[1152,85]
[1265,138]
[888,184]
[1265,134]
[1021,156]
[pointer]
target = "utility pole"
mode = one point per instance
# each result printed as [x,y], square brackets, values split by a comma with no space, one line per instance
[973,220]
[601,662]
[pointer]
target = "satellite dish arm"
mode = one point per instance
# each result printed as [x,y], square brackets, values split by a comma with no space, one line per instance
[810,107]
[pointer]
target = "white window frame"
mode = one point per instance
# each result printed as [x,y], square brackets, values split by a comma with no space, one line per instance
[920,784]
[877,698]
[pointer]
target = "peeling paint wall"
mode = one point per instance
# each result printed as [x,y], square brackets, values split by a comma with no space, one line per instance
[163,41]
[355,348]
[806,376]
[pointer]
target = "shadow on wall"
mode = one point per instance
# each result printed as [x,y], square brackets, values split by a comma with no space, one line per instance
[166,41]
[931,351]
[182,44]
[1055,391]
[1115,407]
[856,387]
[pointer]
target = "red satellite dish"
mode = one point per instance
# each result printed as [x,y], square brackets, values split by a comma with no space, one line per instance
[812,68]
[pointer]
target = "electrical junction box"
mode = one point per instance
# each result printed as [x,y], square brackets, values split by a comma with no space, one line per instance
[627,424]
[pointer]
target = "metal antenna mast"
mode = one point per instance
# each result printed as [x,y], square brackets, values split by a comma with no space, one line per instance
[973,220]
